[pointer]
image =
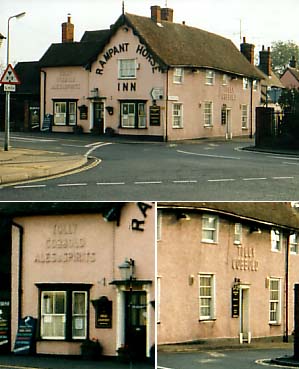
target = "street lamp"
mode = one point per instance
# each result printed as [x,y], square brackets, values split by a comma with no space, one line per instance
[7,96]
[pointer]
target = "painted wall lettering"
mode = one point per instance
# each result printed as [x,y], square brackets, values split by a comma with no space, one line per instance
[108,54]
[65,246]
[125,86]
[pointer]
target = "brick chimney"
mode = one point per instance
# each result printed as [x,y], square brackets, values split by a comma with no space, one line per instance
[156,13]
[67,30]
[247,50]
[293,62]
[265,61]
[167,14]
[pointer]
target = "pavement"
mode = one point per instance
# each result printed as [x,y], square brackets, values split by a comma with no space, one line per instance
[61,362]
[19,165]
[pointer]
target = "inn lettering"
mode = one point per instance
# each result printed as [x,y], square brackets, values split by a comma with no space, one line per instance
[65,245]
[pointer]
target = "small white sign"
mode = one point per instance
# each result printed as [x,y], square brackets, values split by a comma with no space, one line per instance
[9,88]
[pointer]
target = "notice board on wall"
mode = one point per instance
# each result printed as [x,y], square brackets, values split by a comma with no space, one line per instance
[25,340]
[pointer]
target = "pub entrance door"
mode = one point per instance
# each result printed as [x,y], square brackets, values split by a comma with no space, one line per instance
[245,334]
[98,117]
[135,323]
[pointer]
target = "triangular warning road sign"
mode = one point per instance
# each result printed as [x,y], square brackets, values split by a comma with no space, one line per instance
[10,77]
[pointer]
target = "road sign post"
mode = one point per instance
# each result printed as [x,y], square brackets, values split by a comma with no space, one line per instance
[9,79]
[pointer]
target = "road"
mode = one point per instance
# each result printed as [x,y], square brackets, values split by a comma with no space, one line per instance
[202,171]
[224,359]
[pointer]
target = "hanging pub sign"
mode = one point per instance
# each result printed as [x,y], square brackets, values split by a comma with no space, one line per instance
[235,301]
[155,115]
[83,112]
[103,310]
[25,340]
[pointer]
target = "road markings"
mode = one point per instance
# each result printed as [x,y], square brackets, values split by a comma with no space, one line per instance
[30,186]
[285,162]
[6,366]
[110,183]
[209,155]
[222,180]
[33,139]
[185,181]
[94,147]
[254,179]
[283,177]
[144,182]
[71,184]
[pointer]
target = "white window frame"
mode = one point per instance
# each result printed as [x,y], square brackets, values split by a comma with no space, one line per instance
[159,224]
[225,79]
[244,116]
[210,77]
[47,318]
[177,115]
[245,83]
[208,114]
[178,75]
[127,68]
[274,301]
[82,316]
[238,234]
[206,218]
[293,244]
[60,109]
[276,240]
[255,84]
[207,300]
[158,292]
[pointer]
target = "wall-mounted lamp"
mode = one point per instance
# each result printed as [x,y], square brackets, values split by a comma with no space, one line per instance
[182,216]
[112,214]
[127,269]
[254,229]
[110,110]
[191,279]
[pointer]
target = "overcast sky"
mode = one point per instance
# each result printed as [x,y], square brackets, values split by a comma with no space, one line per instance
[262,21]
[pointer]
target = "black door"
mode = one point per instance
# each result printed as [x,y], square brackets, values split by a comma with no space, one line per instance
[98,117]
[136,323]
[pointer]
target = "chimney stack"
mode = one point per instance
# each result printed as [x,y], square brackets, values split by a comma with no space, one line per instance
[293,62]
[265,61]
[67,30]
[167,14]
[156,13]
[247,50]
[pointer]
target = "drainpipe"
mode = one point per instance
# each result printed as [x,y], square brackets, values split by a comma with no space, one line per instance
[44,96]
[166,109]
[20,271]
[287,253]
[251,109]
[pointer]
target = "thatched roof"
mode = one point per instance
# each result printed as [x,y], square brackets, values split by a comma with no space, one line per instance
[278,214]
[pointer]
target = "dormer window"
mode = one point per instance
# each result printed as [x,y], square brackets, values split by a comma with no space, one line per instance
[210,77]
[178,75]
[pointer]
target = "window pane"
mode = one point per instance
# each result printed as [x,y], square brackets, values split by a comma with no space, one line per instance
[79,317]
[53,314]
[127,68]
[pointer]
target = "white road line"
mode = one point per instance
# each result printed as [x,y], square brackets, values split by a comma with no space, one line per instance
[29,186]
[254,179]
[97,146]
[110,183]
[282,157]
[69,145]
[32,139]
[71,184]
[209,155]
[222,180]
[153,182]
[185,181]
[163,367]
[283,177]
[94,144]
[285,162]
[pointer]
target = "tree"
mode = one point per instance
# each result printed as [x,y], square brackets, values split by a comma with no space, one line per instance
[282,53]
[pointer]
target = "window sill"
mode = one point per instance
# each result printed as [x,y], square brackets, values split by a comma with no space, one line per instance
[207,126]
[142,128]
[207,320]
[275,324]
[209,242]
[177,127]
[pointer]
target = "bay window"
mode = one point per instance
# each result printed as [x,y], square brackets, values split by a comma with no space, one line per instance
[133,114]
[65,113]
